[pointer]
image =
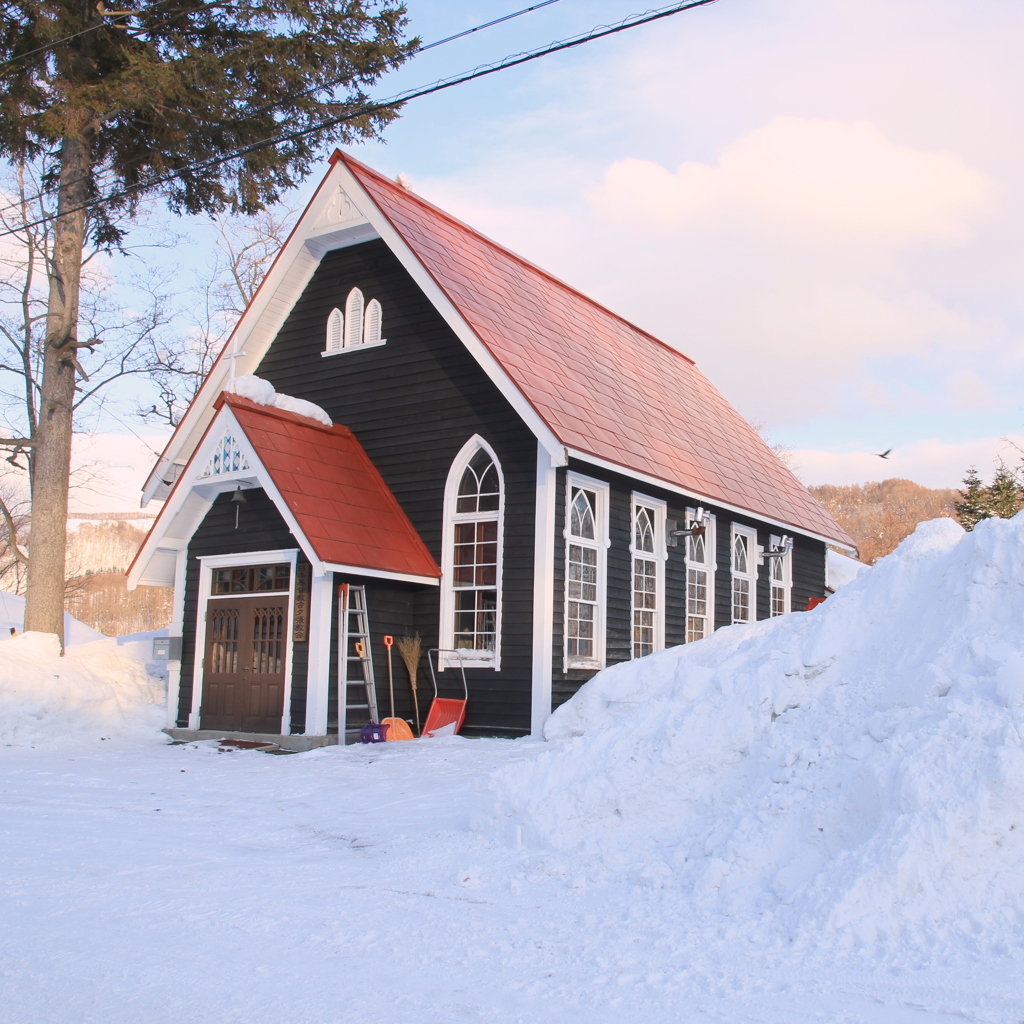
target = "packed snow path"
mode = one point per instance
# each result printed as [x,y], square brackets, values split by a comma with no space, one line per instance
[157,883]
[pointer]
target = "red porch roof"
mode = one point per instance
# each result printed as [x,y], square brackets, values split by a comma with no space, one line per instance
[339,499]
[603,386]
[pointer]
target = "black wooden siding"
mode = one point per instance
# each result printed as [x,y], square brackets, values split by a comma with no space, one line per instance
[413,403]
[260,528]
[808,572]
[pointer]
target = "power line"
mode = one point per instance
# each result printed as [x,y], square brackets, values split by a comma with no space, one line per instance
[105,24]
[482,71]
[291,96]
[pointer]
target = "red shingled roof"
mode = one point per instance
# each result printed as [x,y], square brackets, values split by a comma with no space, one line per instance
[603,386]
[340,501]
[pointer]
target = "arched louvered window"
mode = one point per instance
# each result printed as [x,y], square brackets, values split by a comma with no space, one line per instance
[372,324]
[471,556]
[361,325]
[335,331]
[354,319]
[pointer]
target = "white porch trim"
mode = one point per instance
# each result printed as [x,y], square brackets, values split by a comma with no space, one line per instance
[318,676]
[207,563]
[543,590]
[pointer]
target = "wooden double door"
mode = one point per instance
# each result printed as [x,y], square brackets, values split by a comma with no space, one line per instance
[243,670]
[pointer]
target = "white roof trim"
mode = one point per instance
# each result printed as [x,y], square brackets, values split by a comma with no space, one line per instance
[330,221]
[453,317]
[195,493]
[340,214]
[633,474]
[193,496]
[381,574]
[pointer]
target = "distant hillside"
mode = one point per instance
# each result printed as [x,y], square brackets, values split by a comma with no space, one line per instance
[96,591]
[879,515]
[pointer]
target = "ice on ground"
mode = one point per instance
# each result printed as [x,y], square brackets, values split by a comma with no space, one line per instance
[99,691]
[853,774]
[262,392]
[12,616]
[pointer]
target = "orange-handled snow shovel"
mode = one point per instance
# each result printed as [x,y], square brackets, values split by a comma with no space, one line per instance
[398,729]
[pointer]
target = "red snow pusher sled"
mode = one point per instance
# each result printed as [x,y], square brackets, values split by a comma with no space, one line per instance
[446,713]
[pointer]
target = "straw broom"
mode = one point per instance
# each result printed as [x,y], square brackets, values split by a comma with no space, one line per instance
[411,649]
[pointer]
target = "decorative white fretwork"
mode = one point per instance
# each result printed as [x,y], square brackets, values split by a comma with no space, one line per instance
[339,210]
[228,457]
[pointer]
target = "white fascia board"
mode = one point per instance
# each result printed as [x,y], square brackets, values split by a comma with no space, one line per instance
[653,481]
[330,221]
[193,496]
[453,318]
[381,574]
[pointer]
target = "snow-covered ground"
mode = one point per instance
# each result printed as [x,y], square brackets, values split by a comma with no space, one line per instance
[169,884]
[814,819]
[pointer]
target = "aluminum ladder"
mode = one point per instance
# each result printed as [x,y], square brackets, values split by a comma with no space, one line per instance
[357,693]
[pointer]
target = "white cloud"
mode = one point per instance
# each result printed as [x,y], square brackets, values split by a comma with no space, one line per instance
[804,175]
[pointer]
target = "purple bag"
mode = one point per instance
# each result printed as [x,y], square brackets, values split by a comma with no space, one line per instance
[373,732]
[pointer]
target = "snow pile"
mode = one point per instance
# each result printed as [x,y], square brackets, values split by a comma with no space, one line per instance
[262,392]
[857,770]
[12,616]
[96,691]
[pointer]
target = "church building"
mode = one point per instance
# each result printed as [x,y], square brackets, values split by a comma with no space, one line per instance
[410,413]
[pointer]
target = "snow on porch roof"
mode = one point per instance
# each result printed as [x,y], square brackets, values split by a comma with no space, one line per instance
[339,499]
[604,387]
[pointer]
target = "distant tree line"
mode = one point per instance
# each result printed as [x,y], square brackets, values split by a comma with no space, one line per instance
[880,515]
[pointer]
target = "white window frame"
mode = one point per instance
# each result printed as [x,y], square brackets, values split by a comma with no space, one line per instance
[709,565]
[366,338]
[207,563]
[659,513]
[785,584]
[471,659]
[601,490]
[750,576]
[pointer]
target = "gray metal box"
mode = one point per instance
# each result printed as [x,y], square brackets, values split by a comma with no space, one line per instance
[167,648]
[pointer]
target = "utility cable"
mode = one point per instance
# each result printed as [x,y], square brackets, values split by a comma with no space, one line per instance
[285,99]
[482,71]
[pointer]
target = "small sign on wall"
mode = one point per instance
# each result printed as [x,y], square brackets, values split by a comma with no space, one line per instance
[300,627]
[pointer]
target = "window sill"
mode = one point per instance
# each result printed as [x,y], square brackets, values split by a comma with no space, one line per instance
[471,659]
[583,665]
[352,348]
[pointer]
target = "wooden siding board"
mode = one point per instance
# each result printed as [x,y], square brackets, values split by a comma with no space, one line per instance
[413,403]
[808,572]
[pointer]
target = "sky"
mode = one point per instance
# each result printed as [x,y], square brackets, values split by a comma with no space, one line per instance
[822,203]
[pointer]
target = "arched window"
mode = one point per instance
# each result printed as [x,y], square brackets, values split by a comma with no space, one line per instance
[372,324]
[471,557]
[700,577]
[335,331]
[648,575]
[586,537]
[354,319]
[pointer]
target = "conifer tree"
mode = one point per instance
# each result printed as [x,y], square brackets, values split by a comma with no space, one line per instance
[113,101]
[1005,496]
[973,506]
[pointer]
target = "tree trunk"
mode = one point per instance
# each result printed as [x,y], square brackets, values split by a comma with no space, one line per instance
[51,456]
